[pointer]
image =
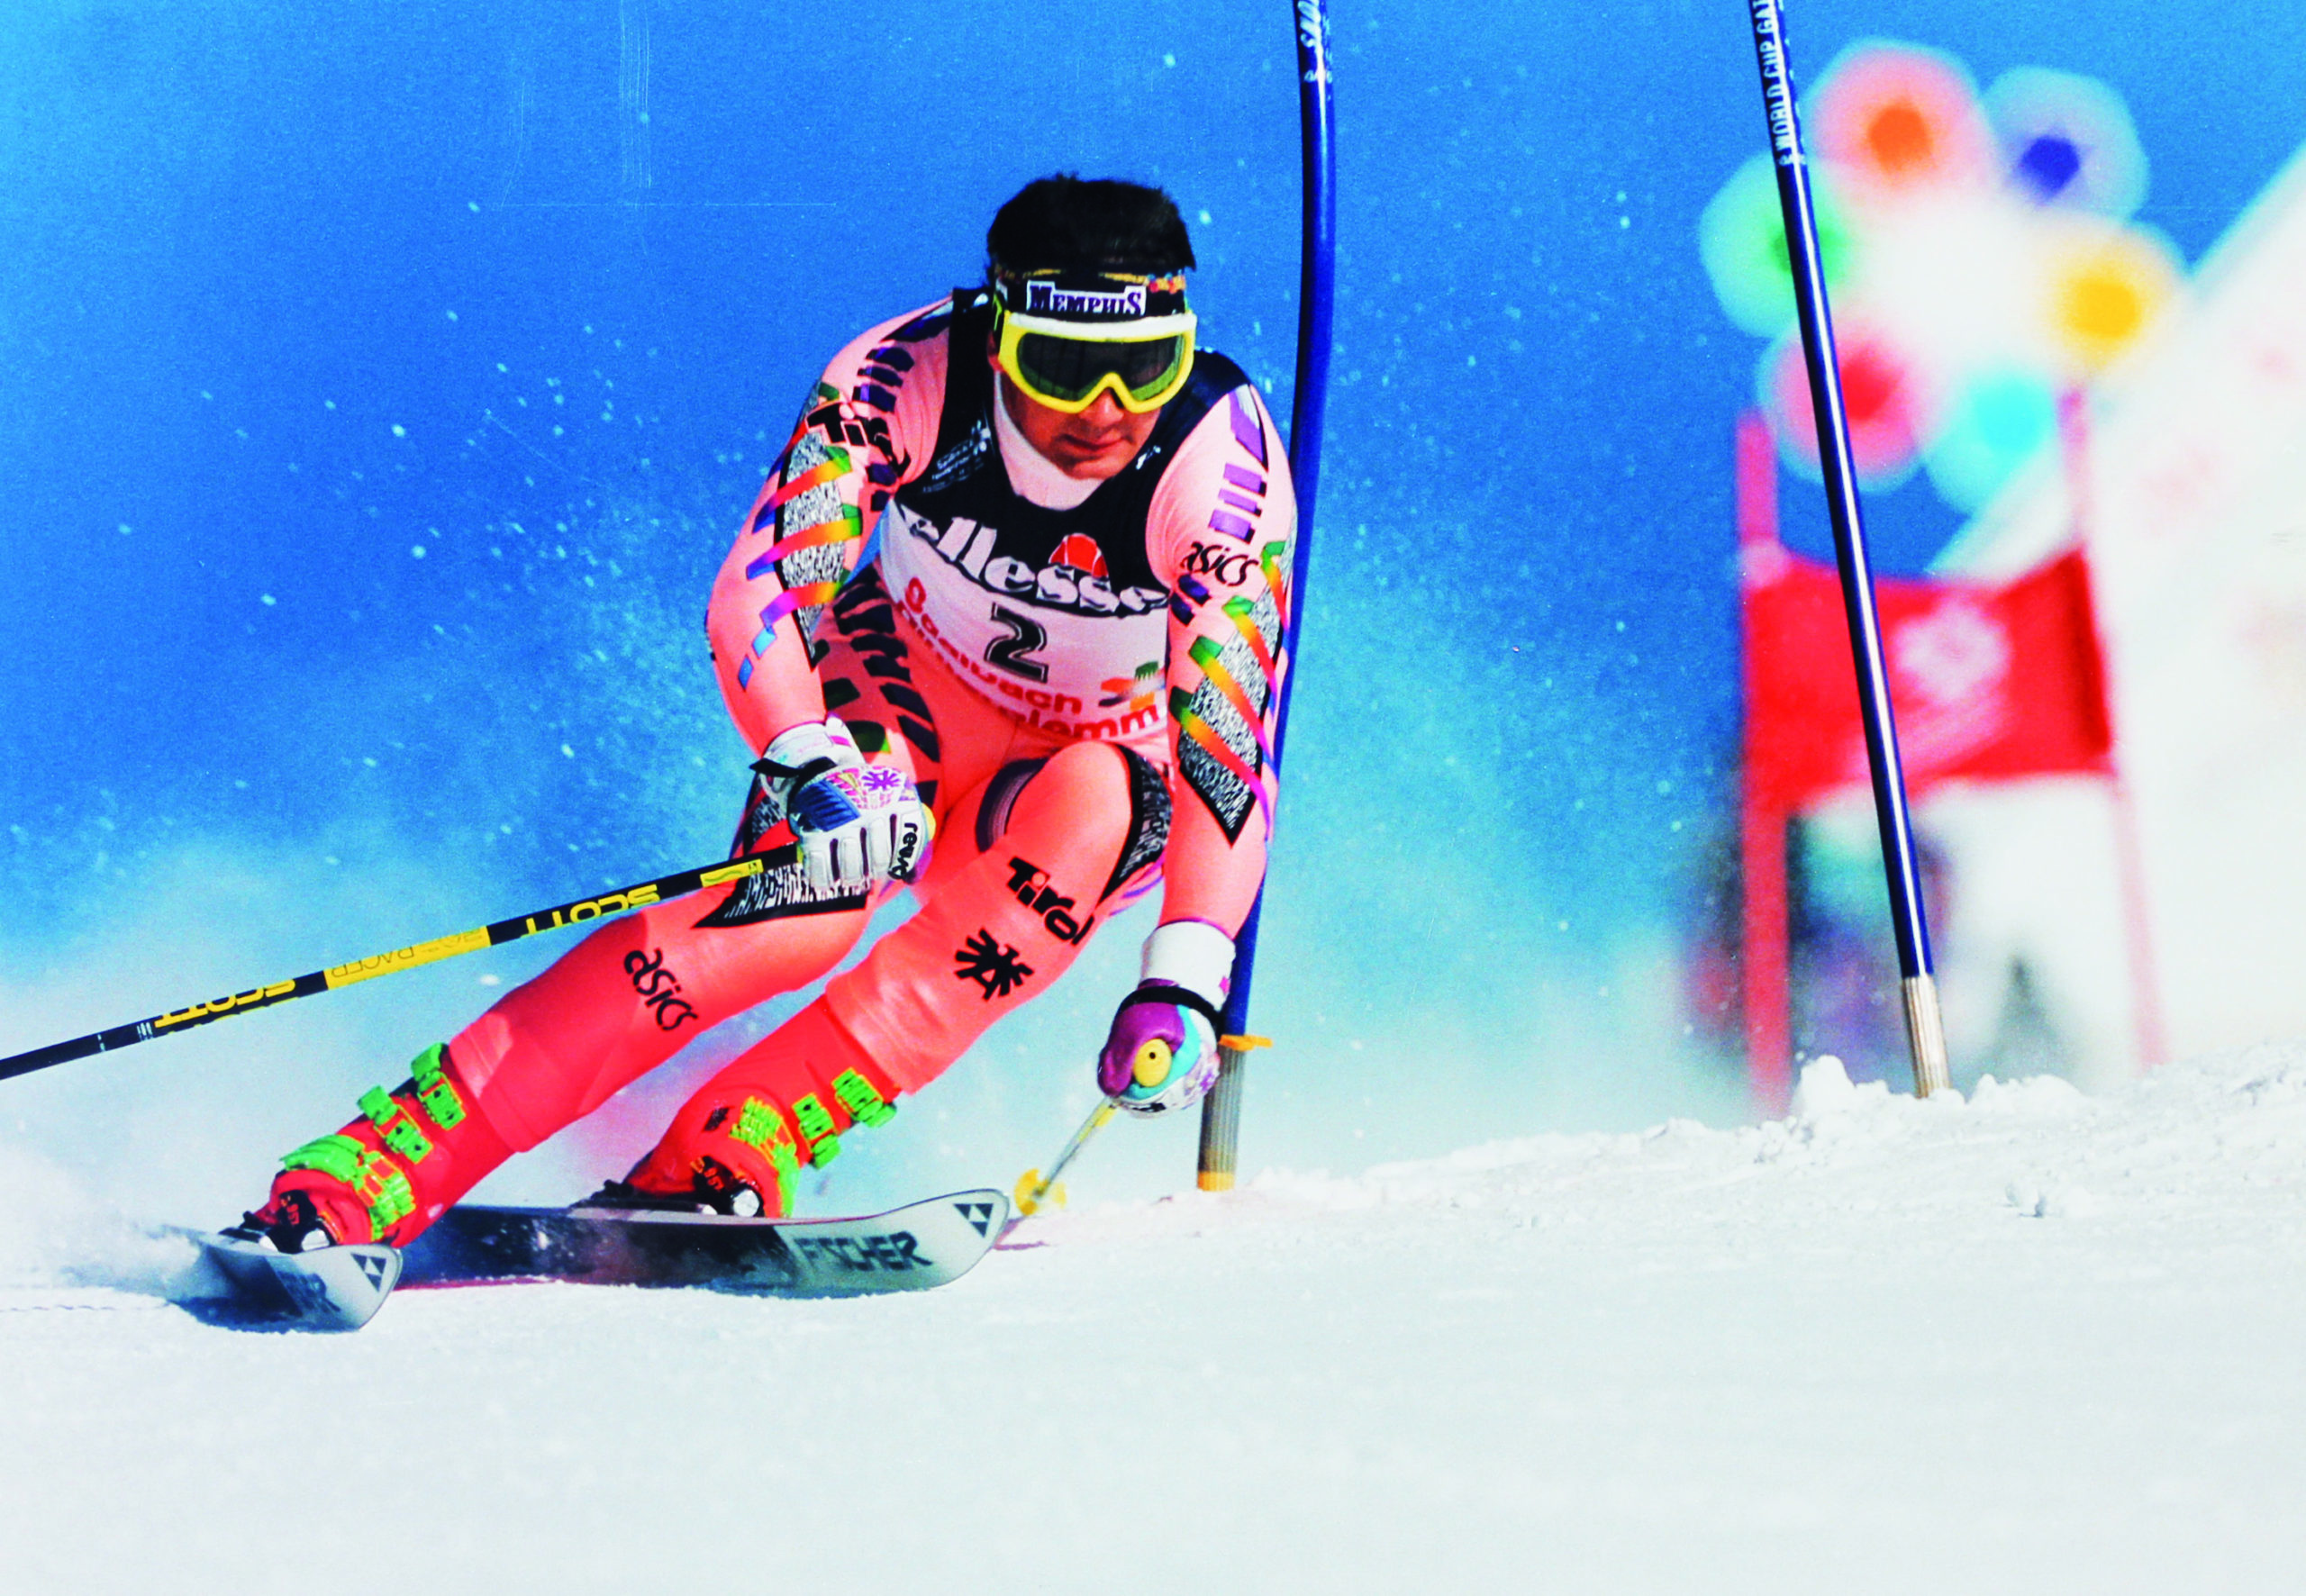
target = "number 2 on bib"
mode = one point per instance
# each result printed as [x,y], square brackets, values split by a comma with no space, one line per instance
[1015,652]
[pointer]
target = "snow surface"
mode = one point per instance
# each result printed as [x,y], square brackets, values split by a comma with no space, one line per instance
[2030,1341]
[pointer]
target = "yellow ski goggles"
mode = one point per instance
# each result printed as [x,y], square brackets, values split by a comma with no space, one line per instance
[1065,365]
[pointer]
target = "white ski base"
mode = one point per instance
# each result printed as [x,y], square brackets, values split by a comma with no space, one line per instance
[335,1287]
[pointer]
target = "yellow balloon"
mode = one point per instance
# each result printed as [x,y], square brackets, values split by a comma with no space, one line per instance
[2106,290]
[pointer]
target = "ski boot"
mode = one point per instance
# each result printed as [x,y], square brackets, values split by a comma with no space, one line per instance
[738,1145]
[387,1174]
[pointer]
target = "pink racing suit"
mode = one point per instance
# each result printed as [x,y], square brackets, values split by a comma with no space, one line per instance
[1079,676]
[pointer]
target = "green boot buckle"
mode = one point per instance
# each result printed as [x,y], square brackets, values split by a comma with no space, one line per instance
[761,1128]
[817,1129]
[336,1156]
[862,1099]
[435,1091]
[373,1178]
[395,1124]
[394,1199]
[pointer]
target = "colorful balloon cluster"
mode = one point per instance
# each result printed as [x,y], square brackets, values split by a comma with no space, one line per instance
[1979,257]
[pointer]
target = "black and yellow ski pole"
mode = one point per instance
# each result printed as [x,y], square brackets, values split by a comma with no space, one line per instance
[583,909]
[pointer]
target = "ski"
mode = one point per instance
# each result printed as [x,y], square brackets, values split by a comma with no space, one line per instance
[335,1288]
[910,1248]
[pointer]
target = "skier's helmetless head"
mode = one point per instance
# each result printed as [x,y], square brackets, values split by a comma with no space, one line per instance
[1093,335]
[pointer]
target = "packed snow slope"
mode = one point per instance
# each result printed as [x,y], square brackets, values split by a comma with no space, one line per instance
[2030,1341]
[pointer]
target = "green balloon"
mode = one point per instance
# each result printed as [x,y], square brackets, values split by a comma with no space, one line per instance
[1742,239]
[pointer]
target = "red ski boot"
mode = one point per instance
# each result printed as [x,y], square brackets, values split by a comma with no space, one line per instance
[736,1145]
[387,1175]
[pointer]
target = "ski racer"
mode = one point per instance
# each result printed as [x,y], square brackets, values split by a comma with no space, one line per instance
[1004,625]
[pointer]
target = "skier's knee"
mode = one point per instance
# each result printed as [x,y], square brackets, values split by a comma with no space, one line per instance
[1110,801]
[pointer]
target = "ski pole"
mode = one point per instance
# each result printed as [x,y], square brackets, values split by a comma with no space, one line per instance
[1925,1024]
[638,895]
[1221,1112]
[1034,1188]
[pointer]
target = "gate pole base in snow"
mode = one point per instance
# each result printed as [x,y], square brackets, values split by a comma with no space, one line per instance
[1925,1035]
[1221,1112]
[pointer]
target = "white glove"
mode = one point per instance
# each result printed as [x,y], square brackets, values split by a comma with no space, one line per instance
[857,825]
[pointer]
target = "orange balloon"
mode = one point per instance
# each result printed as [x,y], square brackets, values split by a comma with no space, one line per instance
[1903,120]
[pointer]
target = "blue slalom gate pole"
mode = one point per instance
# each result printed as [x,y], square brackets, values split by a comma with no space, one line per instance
[1925,1026]
[1221,1112]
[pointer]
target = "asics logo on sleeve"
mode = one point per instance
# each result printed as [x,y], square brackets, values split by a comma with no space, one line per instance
[1220,563]
[658,988]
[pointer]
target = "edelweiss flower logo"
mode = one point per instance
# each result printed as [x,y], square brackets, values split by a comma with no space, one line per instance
[992,964]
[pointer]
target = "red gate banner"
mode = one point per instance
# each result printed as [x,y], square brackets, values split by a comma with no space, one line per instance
[1988,682]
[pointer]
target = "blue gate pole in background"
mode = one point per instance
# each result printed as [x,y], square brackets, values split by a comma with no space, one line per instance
[1221,1111]
[1925,1025]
